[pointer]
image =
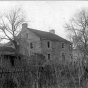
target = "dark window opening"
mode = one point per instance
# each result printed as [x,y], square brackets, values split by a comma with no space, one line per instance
[48,44]
[62,45]
[31,45]
[63,57]
[12,61]
[48,56]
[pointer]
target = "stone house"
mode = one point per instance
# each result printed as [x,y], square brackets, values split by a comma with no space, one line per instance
[49,44]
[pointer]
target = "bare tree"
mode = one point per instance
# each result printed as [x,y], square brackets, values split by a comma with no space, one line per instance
[10,25]
[78,29]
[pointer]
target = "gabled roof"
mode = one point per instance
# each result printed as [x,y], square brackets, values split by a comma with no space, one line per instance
[41,34]
[48,35]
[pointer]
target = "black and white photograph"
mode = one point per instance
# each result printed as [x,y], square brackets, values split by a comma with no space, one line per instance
[44,44]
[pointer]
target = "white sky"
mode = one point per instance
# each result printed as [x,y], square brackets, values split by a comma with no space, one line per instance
[46,15]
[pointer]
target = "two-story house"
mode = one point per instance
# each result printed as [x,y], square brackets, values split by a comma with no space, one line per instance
[49,44]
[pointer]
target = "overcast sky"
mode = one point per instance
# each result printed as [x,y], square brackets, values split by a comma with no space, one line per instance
[46,15]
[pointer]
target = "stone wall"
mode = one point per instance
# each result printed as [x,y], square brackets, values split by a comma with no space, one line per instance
[31,38]
[45,49]
[56,50]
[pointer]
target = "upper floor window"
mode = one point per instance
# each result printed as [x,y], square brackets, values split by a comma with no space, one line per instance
[70,46]
[26,35]
[62,45]
[48,56]
[63,57]
[31,45]
[48,44]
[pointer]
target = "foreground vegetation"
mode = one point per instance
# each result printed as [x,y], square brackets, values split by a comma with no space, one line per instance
[35,72]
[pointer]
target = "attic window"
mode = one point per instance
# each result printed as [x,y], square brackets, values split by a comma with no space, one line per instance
[31,45]
[48,44]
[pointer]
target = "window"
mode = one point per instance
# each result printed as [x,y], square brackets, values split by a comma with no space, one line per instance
[12,61]
[63,57]
[70,46]
[26,35]
[48,44]
[48,56]
[62,45]
[31,45]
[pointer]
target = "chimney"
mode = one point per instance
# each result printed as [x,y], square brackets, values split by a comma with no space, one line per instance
[24,25]
[52,31]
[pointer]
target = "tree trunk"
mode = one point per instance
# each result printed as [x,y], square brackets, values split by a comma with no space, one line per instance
[16,47]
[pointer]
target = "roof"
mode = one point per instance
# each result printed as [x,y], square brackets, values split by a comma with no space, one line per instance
[48,35]
[5,48]
[41,34]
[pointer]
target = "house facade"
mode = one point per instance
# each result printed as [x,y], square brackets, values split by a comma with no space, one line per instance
[49,44]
